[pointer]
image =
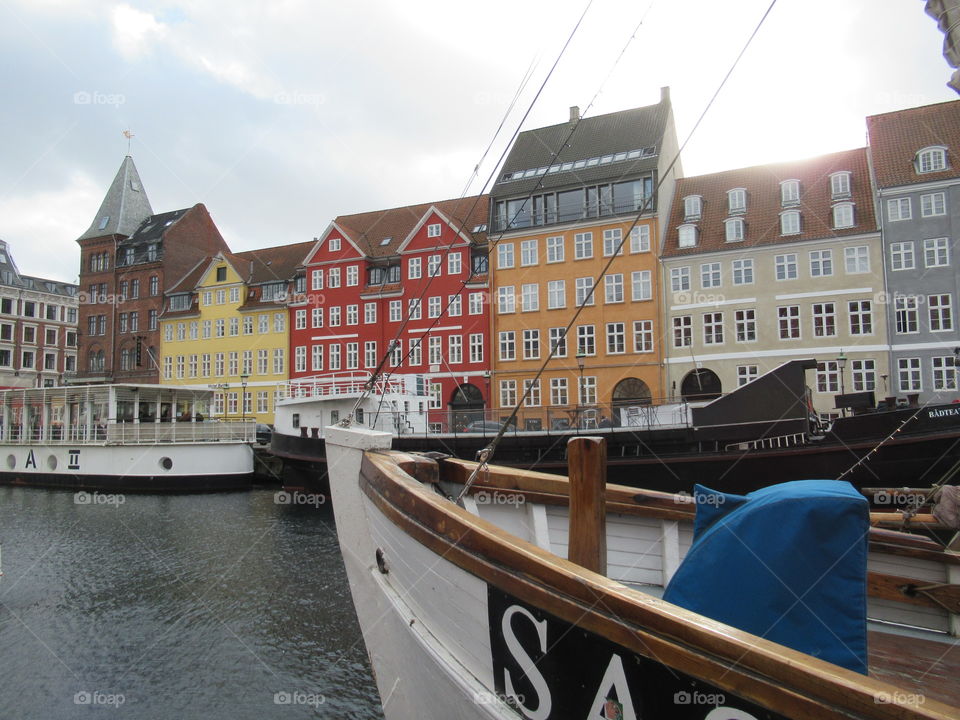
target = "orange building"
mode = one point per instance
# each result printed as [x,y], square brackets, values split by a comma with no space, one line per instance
[577,229]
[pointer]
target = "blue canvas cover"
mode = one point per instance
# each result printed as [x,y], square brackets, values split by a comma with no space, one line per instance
[787,563]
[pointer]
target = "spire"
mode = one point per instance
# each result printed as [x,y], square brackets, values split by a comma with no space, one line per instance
[124,207]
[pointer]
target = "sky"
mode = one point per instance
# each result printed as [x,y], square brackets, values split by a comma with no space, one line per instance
[281,115]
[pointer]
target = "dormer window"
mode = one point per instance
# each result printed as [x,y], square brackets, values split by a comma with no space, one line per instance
[843,215]
[737,200]
[735,228]
[931,159]
[790,222]
[687,235]
[840,185]
[692,207]
[790,192]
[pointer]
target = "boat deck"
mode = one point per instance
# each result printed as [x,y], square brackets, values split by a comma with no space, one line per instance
[930,667]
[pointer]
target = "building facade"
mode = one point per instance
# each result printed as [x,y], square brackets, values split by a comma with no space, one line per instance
[766,264]
[405,287]
[128,257]
[916,161]
[38,327]
[225,325]
[574,227]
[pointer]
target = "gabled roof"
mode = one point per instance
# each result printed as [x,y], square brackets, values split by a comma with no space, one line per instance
[380,233]
[10,276]
[896,137]
[124,207]
[593,138]
[762,216]
[273,264]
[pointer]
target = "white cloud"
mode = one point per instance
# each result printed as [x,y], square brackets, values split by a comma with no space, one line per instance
[135,31]
[41,241]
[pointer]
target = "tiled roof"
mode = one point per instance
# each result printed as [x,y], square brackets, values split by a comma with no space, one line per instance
[896,137]
[594,137]
[369,230]
[272,263]
[762,216]
[189,281]
[124,206]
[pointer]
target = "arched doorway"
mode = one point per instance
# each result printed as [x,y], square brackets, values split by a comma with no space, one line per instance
[631,391]
[701,384]
[466,405]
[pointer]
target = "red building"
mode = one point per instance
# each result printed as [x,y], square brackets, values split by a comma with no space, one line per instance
[411,282]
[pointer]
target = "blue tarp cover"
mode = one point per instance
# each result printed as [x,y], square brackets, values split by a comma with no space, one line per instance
[787,563]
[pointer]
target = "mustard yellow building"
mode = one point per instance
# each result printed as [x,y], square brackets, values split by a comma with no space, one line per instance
[574,228]
[225,325]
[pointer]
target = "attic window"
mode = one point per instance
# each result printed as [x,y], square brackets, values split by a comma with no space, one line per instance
[221,273]
[135,186]
[385,241]
[103,222]
[479,228]
[931,159]
[334,244]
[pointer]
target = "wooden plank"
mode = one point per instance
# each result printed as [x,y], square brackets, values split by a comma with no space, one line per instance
[795,684]
[903,589]
[588,513]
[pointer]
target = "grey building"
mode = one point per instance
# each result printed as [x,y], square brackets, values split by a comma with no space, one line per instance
[915,155]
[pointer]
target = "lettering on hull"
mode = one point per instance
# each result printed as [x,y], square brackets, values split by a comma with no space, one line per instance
[548,669]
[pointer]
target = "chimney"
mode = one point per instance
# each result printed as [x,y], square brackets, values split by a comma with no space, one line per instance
[664,94]
[574,113]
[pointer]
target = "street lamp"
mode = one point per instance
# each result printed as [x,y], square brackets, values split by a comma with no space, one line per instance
[841,364]
[243,396]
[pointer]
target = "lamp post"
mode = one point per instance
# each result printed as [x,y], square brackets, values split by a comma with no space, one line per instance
[841,364]
[581,356]
[243,396]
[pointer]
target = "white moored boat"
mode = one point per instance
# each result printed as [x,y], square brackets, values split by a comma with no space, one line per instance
[146,438]
[473,609]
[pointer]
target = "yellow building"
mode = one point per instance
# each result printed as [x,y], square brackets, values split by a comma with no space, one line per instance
[225,325]
[573,227]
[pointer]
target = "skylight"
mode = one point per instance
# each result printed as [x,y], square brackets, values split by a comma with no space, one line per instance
[103,222]
[385,241]
[586,162]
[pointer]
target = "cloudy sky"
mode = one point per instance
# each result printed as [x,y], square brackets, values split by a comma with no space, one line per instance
[281,115]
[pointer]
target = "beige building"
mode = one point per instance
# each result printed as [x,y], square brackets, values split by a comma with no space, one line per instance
[767,264]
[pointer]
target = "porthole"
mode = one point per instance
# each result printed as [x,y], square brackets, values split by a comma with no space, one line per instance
[166,463]
[11,461]
[52,462]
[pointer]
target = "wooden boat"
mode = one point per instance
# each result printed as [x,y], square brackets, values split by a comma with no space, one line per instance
[490,610]
[758,434]
[126,437]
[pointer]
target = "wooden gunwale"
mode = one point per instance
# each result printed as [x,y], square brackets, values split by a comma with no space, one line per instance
[781,679]
[554,490]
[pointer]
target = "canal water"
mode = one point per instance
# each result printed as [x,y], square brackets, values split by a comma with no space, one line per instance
[228,606]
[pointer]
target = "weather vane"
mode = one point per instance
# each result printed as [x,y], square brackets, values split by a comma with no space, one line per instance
[128,134]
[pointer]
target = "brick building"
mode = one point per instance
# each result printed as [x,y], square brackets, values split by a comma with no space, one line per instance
[128,257]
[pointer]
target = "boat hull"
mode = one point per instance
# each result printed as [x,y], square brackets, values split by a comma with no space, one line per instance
[173,467]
